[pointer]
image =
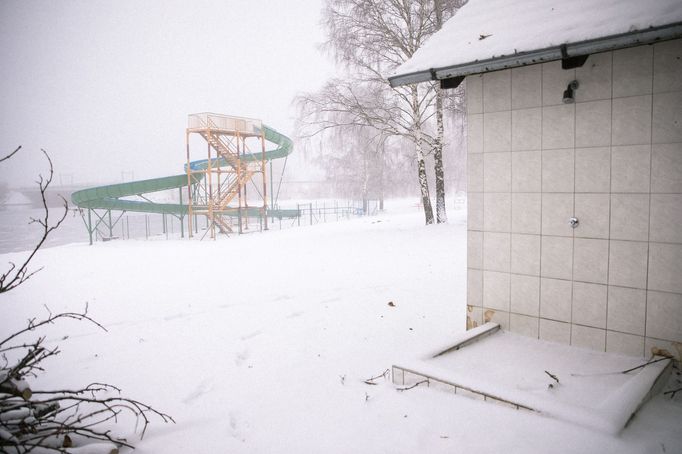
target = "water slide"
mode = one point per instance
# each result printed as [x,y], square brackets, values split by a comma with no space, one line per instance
[110,197]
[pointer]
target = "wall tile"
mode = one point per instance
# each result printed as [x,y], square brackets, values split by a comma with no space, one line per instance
[651,345]
[592,211]
[557,171]
[525,254]
[496,251]
[632,71]
[627,308]
[474,316]
[474,134]
[527,129]
[595,78]
[667,117]
[497,91]
[475,172]
[611,172]
[475,249]
[589,304]
[668,66]
[630,168]
[666,168]
[526,213]
[557,257]
[664,316]
[592,169]
[523,325]
[474,287]
[525,295]
[630,217]
[665,267]
[475,211]
[558,126]
[496,316]
[474,94]
[624,344]
[497,172]
[555,299]
[554,82]
[496,290]
[590,338]
[593,123]
[590,260]
[631,120]
[557,209]
[628,263]
[666,218]
[497,212]
[497,131]
[526,86]
[526,171]
[553,331]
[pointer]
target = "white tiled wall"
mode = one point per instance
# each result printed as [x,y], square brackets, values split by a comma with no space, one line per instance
[613,159]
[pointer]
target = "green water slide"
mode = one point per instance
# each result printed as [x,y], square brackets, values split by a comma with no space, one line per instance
[111,197]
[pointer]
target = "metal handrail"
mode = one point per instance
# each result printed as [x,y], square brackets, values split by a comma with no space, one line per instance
[243,125]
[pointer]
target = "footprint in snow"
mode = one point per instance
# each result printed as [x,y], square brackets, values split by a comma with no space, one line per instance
[251,335]
[241,357]
[203,388]
[330,300]
[234,428]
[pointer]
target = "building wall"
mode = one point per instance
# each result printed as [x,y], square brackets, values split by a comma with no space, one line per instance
[613,159]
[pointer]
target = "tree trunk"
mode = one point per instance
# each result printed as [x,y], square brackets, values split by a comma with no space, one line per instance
[419,151]
[441,215]
[382,164]
[424,188]
[365,183]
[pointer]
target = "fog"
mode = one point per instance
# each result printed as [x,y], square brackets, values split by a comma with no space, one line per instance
[106,86]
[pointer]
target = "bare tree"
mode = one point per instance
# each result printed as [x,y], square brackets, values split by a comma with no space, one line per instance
[371,38]
[17,275]
[42,421]
[441,215]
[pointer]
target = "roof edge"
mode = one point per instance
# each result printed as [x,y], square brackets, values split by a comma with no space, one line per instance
[607,43]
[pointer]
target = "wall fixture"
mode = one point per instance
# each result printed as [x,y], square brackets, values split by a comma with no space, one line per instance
[568,93]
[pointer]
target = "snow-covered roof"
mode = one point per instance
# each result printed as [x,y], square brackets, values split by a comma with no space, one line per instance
[487,35]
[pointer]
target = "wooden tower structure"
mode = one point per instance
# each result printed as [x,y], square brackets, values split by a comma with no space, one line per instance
[228,186]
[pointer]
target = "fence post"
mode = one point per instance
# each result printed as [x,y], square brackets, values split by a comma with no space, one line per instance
[90,225]
[111,227]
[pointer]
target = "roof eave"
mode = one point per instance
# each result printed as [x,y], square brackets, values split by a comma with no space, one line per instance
[603,44]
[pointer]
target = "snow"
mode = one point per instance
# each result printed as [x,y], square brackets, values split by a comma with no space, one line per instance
[260,343]
[591,391]
[462,339]
[16,198]
[516,26]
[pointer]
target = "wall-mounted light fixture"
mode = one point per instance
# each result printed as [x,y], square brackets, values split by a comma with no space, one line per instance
[568,93]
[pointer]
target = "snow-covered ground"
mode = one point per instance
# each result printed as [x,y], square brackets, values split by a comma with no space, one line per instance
[261,343]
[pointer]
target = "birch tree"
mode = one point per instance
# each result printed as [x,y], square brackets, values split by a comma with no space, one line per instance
[371,38]
[353,153]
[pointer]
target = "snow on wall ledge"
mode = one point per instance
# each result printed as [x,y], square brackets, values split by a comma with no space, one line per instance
[487,29]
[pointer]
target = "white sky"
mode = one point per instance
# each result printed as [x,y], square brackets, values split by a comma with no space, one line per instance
[106,86]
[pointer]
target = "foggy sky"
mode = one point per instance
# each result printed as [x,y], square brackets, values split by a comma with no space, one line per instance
[106,86]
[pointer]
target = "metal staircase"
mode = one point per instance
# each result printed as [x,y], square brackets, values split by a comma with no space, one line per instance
[226,173]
